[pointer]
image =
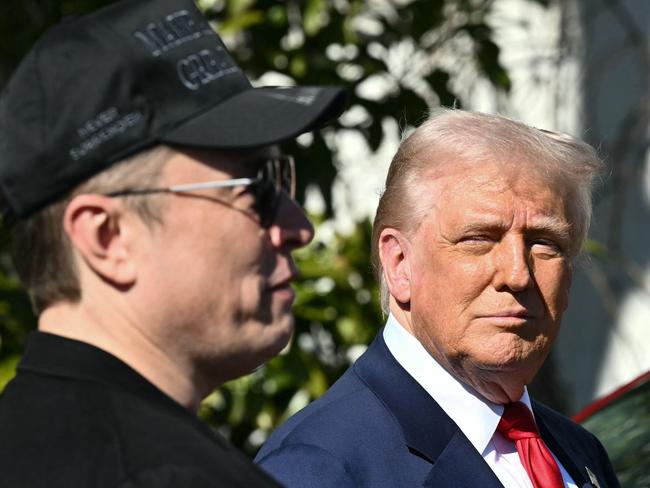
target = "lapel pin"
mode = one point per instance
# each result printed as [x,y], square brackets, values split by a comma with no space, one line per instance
[592,477]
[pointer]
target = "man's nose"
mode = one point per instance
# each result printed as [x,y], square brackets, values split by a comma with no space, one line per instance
[513,269]
[290,228]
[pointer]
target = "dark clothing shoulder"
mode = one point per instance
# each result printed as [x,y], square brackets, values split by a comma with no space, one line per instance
[76,416]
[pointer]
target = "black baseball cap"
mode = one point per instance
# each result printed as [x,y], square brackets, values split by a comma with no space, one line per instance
[98,88]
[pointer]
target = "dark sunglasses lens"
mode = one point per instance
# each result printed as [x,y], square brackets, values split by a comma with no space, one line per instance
[275,176]
[287,175]
[264,201]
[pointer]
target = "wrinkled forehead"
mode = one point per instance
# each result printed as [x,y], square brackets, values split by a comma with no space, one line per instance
[489,174]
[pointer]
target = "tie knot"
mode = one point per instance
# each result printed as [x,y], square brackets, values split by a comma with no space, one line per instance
[517,422]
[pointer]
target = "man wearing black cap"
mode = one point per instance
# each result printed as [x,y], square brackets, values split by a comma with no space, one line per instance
[152,220]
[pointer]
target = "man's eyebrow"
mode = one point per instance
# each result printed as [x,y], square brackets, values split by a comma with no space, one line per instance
[544,224]
[548,224]
[483,222]
[482,225]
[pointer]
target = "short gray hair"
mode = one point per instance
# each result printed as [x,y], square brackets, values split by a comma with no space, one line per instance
[476,137]
[41,250]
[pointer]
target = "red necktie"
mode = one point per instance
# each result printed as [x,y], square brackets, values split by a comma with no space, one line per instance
[518,426]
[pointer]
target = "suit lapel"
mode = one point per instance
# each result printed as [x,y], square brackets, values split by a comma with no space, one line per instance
[460,465]
[428,431]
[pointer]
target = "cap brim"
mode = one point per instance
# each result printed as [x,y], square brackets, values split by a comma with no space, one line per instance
[260,117]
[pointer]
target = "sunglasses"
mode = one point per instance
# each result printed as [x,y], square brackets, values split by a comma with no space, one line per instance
[275,176]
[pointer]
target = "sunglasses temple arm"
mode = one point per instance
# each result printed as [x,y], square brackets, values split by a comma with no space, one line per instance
[212,184]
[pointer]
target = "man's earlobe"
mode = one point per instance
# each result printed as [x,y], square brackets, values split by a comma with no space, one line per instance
[394,253]
[94,225]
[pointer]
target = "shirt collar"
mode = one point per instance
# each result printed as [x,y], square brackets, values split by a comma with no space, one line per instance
[475,417]
[54,355]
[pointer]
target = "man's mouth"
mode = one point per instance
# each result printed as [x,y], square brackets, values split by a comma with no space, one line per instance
[517,313]
[512,317]
[283,287]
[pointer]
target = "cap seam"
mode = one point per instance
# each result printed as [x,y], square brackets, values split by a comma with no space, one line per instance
[42,99]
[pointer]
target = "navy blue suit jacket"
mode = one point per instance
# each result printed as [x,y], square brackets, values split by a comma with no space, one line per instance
[377,427]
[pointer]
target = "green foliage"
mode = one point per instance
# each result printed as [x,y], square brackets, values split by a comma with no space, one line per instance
[8,369]
[16,317]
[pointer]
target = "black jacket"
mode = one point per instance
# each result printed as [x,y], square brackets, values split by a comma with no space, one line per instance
[76,416]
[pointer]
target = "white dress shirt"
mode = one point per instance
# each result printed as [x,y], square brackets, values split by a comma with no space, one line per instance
[476,417]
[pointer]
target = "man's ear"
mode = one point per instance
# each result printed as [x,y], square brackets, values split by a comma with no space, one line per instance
[394,253]
[95,225]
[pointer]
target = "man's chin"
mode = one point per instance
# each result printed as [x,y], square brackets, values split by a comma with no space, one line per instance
[509,357]
[282,329]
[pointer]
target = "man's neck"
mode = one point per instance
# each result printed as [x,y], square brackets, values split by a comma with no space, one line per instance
[122,338]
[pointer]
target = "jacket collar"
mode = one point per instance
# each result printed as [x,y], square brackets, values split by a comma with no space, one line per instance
[428,431]
[54,355]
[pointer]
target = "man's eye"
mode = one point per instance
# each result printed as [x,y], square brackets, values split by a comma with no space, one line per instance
[476,239]
[545,247]
[476,243]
